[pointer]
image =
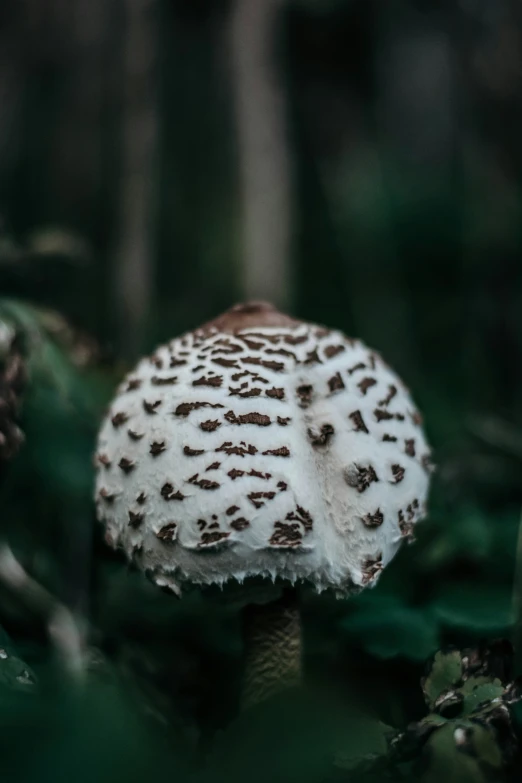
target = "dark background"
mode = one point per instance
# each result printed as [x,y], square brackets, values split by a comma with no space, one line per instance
[123,202]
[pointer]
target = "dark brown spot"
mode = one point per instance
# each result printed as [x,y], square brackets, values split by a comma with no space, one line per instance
[201,523]
[336,383]
[361,477]
[256,498]
[406,527]
[126,465]
[232,510]
[371,568]
[107,496]
[187,407]
[333,350]
[312,357]
[240,523]
[156,361]
[283,451]
[322,436]
[366,384]
[118,419]
[275,393]
[286,535]
[392,391]
[253,345]
[383,415]
[157,447]
[207,539]
[210,425]
[283,421]
[135,435]
[258,474]
[136,518]
[390,438]
[104,460]
[374,520]
[270,365]
[302,516]
[204,483]
[240,450]
[142,497]
[156,380]
[214,466]
[192,452]
[151,407]
[235,473]
[249,393]
[133,384]
[305,393]
[168,493]
[168,532]
[398,473]
[282,486]
[356,367]
[409,447]
[222,362]
[358,422]
[295,340]
[248,418]
[198,368]
[215,381]
[238,375]
[174,362]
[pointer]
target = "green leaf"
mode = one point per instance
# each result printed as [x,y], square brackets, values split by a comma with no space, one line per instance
[445,673]
[477,690]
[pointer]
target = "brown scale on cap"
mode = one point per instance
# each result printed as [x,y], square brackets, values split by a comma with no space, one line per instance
[168,532]
[157,448]
[286,535]
[151,407]
[305,393]
[283,421]
[126,465]
[210,426]
[258,498]
[336,383]
[320,437]
[168,492]
[103,459]
[374,520]
[398,473]
[248,418]
[371,569]
[366,384]
[118,419]
[358,422]
[240,524]
[188,452]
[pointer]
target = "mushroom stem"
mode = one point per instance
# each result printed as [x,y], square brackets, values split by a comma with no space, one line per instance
[272,634]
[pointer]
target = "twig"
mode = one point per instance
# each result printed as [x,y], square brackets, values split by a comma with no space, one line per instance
[62,628]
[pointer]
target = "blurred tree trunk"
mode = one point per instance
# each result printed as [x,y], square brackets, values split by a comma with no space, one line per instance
[134,257]
[263,151]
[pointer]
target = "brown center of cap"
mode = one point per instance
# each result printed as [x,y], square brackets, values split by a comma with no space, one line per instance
[248,315]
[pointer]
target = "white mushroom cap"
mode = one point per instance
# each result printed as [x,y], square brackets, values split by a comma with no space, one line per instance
[262,446]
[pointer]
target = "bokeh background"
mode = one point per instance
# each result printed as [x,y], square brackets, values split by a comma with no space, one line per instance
[357,162]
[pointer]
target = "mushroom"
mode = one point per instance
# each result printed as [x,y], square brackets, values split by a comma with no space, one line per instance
[262,447]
